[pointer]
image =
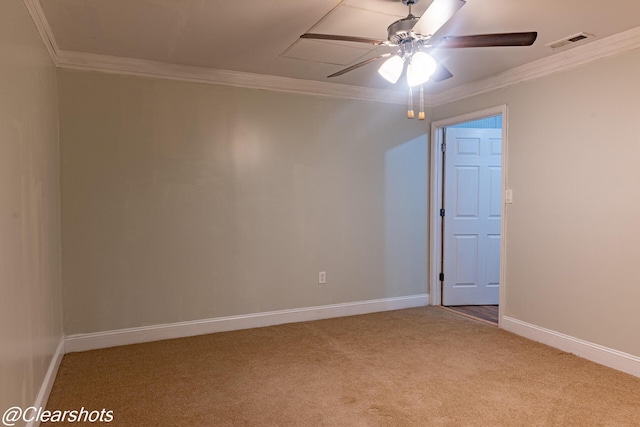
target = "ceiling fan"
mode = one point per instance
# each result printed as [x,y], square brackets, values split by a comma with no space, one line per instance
[415,35]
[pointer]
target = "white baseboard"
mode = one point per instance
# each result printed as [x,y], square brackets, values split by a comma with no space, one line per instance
[49,378]
[596,353]
[83,342]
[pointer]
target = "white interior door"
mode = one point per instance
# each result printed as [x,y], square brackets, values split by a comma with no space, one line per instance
[472,193]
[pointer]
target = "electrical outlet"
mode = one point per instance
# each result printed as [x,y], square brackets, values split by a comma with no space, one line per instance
[322,277]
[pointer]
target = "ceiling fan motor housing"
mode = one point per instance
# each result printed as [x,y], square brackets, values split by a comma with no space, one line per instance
[400,31]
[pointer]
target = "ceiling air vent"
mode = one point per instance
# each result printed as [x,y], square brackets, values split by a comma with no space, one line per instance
[575,38]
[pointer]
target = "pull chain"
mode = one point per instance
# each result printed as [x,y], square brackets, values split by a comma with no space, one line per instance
[421,113]
[410,113]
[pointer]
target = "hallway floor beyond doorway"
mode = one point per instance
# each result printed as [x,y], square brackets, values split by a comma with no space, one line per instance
[488,313]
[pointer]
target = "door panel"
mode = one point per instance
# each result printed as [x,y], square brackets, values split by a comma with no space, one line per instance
[472,202]
[466,192]
[495,188]
[466,260]
[493,260]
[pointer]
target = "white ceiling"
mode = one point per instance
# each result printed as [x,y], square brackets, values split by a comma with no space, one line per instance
[262,36]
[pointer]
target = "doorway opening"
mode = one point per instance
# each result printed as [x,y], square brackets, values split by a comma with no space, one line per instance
[468,214]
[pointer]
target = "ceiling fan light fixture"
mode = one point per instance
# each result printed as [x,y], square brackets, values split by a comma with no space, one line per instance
[420,69]
[392,68]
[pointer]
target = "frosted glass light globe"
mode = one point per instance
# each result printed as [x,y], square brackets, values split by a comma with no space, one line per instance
[421,67]
[391,69]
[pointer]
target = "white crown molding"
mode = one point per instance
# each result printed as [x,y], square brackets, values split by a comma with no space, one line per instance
[142,67]
[615,359]
[42,25]
[609,46]
[93,341]
[598,49]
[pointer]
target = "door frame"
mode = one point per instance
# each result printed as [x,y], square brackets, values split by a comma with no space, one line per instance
[435,202]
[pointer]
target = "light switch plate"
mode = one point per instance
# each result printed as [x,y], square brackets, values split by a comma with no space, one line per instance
[508,196]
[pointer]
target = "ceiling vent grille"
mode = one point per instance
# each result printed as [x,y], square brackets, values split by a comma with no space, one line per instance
[575,38]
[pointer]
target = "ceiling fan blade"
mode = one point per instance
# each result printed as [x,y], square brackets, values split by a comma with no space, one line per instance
[360,64]
[438,13]
[342,38]
[488,40]
[441,73]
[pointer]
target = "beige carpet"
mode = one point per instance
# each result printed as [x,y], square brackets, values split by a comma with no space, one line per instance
[415,367]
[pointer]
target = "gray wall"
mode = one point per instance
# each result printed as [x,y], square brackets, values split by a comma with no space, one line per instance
[185,201]
[31,295]
[574,225]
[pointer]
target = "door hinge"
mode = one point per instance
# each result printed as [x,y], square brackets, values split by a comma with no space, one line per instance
[441,212]
[443,146]
[441,277]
